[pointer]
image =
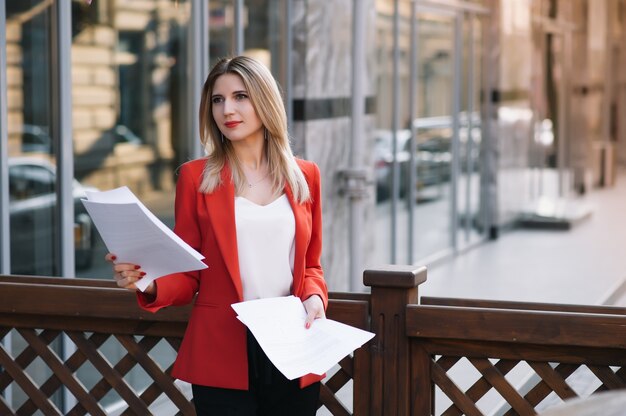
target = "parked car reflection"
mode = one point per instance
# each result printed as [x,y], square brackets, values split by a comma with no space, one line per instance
[435,134]
[33,200]
[383,161]
[35,139]
[432,161]
[122,134]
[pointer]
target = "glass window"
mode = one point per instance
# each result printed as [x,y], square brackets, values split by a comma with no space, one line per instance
[422,227]
[383,135]
[431,206]
[31,172]
[436,49]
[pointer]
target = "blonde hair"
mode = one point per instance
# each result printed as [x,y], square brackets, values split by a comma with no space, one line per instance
[268,104]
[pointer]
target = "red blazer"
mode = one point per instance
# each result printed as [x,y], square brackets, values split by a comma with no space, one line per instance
[213,351]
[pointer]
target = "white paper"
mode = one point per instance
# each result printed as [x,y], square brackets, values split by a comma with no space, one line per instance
[278,326]
[135,235]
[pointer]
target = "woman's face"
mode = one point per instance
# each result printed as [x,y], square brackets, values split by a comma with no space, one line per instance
[233,110]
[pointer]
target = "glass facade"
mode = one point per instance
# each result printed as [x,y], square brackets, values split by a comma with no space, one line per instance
[430,115]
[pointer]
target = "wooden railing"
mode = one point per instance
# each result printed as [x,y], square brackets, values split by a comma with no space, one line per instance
[565,351]
[439,356]
[479,357]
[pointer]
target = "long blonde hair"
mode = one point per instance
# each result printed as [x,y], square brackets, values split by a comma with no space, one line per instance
[268,104]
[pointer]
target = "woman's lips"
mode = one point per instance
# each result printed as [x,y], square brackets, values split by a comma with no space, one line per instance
[231,124]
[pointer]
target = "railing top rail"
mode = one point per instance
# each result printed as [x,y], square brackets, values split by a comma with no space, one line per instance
[102,299]
[514,305]
[57,281]
[77,298]
[519,326]
[365,297]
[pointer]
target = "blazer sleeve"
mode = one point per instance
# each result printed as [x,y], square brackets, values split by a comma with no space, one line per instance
[180,288]
[314,283]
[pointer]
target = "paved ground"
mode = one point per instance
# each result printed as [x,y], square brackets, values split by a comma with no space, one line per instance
[583,265]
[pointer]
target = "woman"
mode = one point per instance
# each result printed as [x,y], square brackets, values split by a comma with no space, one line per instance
[254,212]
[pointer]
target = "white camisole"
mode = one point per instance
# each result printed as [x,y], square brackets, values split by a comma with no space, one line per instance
[266,246]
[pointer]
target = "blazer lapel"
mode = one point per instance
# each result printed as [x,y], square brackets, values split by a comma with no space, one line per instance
[221,208]
[300,221]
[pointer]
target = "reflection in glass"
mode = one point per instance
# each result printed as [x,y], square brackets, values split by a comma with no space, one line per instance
[433,124]
[32,181]
[262,34]
[130,114]
[470,223]
[221,27]
[382,137]
[434,134]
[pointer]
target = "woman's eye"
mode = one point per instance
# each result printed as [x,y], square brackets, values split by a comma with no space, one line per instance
[217,100]
[240,97]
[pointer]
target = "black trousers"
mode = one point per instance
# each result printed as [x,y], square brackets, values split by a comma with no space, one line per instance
[270,392]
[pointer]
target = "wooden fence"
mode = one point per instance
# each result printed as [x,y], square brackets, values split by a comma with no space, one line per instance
[409,368]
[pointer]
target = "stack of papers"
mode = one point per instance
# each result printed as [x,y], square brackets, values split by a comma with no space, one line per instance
[135,235]
[278,326]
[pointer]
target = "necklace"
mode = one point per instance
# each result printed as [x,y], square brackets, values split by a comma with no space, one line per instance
[251,184]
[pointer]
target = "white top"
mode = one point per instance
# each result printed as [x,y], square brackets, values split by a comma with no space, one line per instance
[266,246]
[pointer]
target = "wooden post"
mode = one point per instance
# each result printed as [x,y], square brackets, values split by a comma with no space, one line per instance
[392,289]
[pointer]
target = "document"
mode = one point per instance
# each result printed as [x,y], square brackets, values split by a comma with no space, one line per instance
[278,326]
[135,235]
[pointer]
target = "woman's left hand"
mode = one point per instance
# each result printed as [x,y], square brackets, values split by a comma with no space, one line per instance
[314,308]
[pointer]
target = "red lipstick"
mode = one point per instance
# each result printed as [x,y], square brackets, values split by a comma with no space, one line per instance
[231,124]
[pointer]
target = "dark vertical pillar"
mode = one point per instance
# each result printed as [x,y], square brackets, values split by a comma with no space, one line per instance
[392,290]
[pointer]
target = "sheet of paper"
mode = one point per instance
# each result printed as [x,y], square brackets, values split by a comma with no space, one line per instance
[137,236]
[278,326]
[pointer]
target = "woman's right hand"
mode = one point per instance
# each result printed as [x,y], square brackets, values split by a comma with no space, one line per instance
[126,274]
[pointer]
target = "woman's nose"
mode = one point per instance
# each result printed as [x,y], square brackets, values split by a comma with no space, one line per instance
[228,106]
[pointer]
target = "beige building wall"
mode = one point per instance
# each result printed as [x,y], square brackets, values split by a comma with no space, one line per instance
[15,96]
[96,63]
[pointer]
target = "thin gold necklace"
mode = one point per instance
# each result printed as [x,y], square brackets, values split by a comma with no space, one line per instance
[251,184]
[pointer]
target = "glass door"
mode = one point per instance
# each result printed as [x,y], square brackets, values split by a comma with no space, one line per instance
[428,132]
[433,126]
[443,214]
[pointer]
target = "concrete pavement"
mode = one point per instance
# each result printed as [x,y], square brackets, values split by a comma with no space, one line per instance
[585,265]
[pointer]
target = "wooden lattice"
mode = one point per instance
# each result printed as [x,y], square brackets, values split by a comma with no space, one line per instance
[332,385]
[495,337]
[63,373]
[550,378]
